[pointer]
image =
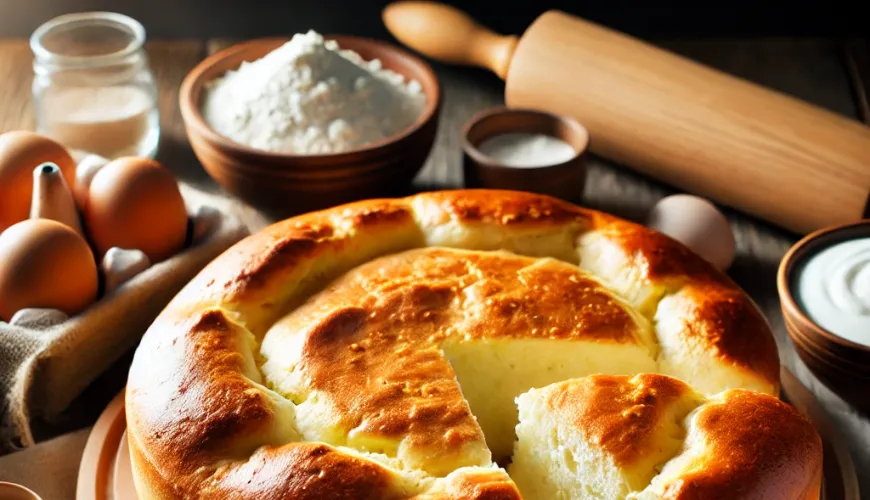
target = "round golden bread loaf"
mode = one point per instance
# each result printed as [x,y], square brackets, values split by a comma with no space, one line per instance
[377,349]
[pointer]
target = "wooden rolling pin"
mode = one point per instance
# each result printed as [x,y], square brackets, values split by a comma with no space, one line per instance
[701,130]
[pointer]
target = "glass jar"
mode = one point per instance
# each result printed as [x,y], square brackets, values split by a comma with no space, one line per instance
[93,90]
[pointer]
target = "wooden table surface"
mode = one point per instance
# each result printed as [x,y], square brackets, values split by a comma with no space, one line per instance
[812,69]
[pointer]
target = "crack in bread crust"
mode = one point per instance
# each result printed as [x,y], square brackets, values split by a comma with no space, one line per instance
[199,420]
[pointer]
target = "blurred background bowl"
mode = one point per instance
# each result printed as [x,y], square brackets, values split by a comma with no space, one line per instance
[285,184]
[12,491]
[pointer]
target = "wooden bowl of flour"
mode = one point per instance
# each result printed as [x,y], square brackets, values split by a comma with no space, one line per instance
[285,184]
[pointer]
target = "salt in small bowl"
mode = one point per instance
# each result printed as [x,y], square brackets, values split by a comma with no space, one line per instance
[564,179]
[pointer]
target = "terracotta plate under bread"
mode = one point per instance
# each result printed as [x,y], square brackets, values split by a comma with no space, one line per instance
[105,472]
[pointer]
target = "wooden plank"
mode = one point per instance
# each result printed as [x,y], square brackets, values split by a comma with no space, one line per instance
[170,62]
[15,98]
[465,92]
[856,55]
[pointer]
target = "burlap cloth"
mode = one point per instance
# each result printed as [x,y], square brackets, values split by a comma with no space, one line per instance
[43,370]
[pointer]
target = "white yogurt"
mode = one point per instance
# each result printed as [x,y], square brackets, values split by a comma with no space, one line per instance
[524,150]
[834,289]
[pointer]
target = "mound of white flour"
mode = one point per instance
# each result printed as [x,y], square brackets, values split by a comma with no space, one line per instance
[310,97]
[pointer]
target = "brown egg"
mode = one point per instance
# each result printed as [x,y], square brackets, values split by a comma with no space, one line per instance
[135,204]
[45,264]
[20,153]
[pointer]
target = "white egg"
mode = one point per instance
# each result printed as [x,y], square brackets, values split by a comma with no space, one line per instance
[121,265]
[696,223]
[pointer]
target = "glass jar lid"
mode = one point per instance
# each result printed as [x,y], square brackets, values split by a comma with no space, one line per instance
[87,39]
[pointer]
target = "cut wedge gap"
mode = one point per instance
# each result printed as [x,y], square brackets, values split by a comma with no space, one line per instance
[492,373]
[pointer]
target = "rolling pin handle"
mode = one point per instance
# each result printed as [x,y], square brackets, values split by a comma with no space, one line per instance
[449,35]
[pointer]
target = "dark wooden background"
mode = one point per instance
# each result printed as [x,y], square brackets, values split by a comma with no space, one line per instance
[645,18]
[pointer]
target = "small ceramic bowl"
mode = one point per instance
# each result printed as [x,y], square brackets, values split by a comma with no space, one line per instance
[12,491]
[842,365]
[286,184]
[564,180]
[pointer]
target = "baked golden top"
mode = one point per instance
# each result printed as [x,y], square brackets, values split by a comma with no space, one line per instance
[622,416]
[284,357]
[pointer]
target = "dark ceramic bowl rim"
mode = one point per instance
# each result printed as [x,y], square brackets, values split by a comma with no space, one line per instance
[487,114]
[794,257]
[191,110]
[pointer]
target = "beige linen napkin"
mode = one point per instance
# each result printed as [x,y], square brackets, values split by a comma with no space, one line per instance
[50,468]
[42,370]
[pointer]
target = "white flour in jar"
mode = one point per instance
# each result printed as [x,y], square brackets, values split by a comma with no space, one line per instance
[310,97]
[108,121]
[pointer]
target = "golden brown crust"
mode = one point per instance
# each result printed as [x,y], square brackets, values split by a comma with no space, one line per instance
[748,445]
[718,307]
[302,471]
[499,208]
[659,257]
[618,414]
[193,420]
[714,312]
[481,485]
[305,471]
[196,407]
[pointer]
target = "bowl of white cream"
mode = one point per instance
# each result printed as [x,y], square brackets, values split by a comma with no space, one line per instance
[526,150]
[824,290]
